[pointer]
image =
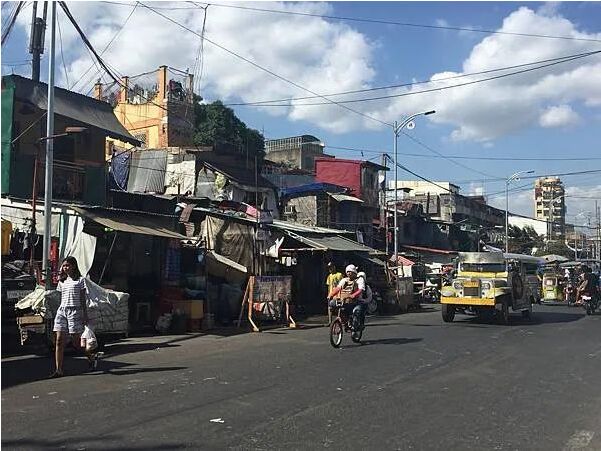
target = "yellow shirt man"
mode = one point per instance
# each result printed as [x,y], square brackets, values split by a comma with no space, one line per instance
[332,280]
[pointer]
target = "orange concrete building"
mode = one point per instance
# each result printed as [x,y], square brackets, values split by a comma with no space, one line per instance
[160,116]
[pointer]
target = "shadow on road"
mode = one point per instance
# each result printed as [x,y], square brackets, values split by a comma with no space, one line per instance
[31,369]
[390,341]
[537,319]
[88,443]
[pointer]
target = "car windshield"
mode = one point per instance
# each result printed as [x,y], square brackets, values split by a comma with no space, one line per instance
[483,267]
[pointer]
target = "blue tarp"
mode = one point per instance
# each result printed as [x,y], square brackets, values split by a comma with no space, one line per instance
[119,170]
[311,188]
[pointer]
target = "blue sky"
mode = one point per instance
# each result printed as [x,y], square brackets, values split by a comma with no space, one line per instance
[553,112]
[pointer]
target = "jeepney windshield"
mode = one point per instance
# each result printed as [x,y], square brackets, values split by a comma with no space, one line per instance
[483,267]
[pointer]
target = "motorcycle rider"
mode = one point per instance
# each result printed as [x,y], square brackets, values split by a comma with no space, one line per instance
[349,288]
[589,284]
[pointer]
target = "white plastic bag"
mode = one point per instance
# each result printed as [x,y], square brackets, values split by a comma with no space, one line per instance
[88,339]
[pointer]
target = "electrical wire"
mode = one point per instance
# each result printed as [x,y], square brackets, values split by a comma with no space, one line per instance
[60,40]
[107,46]
[329,101]
[425,91]
[407,84]
[383,22]
[463,157]
[11,24]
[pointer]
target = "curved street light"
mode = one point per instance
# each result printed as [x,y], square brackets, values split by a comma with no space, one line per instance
[511,178]
[397,129]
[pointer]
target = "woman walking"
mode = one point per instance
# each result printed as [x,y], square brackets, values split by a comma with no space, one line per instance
[72,314]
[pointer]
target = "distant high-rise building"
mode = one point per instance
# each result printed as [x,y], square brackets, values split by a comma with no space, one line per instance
[549,205]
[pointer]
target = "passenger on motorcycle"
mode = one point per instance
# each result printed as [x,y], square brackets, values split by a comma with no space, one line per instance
[588,284]
[366,297]
[350,288]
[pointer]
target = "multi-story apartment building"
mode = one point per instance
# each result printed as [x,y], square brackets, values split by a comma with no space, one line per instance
[549,205]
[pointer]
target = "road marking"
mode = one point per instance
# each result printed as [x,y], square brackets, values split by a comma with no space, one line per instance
[579,440]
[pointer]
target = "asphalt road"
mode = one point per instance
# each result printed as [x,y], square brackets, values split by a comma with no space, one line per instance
[414,383]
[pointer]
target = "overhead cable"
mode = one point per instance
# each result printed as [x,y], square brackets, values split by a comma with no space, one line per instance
[403,85]
[328,101]
[424,91]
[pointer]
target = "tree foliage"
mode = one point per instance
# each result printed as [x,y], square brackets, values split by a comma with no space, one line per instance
[217,125]
[524,240]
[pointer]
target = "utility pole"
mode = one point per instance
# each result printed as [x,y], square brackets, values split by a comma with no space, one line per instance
[36,39]
[383,204]
[598,247]
[49,152]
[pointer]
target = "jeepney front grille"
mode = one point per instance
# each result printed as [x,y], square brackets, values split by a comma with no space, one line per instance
[471,291]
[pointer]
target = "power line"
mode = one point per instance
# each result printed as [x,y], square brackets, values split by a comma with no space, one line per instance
[424,91]
[383,22]
[463,157]
[11,24]
[329,101]
[402,85]
[407,24]
[60,40]
[107,46]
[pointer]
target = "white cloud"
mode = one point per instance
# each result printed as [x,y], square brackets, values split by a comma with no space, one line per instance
[327,57]
[558,116]
[519,202]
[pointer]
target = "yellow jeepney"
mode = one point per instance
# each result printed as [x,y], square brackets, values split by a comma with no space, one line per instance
[492,283]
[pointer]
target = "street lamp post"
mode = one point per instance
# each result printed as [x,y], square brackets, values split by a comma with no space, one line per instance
[510,179]
[49,150]
[397,128]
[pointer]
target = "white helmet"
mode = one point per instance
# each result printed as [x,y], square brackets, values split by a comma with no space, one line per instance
[351,268]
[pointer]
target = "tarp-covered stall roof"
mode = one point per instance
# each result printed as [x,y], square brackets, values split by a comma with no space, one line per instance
[83,109]
[329,242]
[132,222]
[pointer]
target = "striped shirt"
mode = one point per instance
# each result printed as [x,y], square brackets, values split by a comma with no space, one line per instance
[71,292]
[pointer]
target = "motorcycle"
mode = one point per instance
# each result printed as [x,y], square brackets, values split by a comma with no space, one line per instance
[570,294]
[590,303]
[430,293]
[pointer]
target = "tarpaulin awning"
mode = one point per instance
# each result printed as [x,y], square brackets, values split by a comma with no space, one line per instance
[371,259]
[345,198]
[311,188]
[83,109]
[147,171]
[329,242]
[132,222]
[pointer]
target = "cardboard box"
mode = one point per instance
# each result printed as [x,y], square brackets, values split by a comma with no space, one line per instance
[194,308]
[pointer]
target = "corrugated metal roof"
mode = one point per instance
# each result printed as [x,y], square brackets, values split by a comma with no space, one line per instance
[130,222]
[83,109]
[296,227]
[345,197]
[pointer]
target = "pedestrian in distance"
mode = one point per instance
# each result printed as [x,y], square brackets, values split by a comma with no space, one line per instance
[332,280]
[72,314]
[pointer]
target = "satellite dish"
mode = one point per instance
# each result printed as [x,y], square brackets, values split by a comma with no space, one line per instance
[411,125]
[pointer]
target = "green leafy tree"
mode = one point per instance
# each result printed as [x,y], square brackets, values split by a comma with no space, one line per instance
[215,124]
[556,248]
[524,240]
